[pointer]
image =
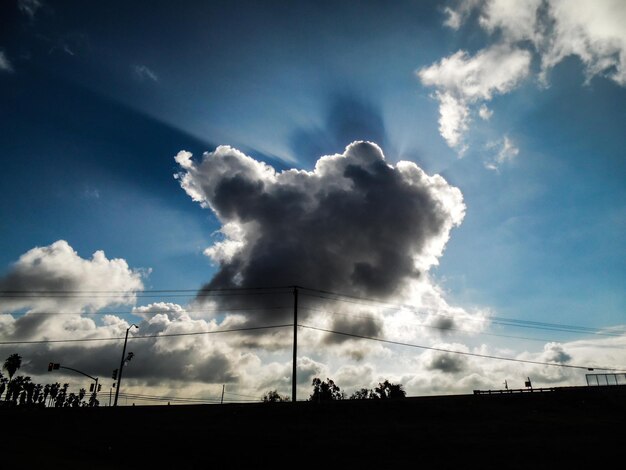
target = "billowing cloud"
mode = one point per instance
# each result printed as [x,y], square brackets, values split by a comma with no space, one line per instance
[550,30]
[53,280]
[197,363]
[5,64]
[491,71]
[362,326]
[453,120]
[52,270]
[355,376]
[447,363]
[455,17]
[555,352]
[517,21]
[355,224]
[594,32]
[62,295]
[463,80]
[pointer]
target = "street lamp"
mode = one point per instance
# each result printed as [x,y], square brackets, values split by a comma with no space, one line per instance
[94,386]
[119,377]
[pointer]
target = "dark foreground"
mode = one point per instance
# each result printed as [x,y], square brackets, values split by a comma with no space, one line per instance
[579,427]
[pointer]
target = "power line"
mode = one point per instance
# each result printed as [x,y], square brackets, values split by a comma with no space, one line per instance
[511,322]
[484,356]
[165,398]
[236,291]
[142,397]
[442,328]
[159,291]
[100,294]
[135,295]
[493,319]
[240,395]
[165,335]
[156,312]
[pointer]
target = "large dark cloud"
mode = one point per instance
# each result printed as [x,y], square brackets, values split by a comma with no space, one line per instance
[447,363]
[361,326]
[355,224]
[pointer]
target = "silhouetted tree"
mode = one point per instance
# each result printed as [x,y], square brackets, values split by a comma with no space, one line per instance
[325,391]
[29,388]
[72,401]
[93,401]
[22,391]
[274,397]
[54,391]
[389,390]
[15,388]
[37,388]
[363,394]
[46,392]
[12,364]
[61,398]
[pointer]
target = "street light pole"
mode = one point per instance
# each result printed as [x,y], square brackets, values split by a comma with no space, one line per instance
[52,366]
[119,377]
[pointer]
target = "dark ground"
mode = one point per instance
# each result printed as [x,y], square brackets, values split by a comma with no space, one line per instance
[578,427]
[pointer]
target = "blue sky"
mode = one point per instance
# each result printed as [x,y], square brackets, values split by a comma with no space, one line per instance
[96,100]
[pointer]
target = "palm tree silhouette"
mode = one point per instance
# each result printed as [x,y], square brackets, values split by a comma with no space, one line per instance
[54,390]
[12,364]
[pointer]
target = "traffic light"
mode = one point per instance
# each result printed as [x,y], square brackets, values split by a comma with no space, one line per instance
[114,375]
[53,365]
[50,365]
[56,365]
[91,387]
[99,387]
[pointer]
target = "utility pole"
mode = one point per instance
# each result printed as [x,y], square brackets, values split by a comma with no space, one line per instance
[295,343]
[119,377]
[222,400]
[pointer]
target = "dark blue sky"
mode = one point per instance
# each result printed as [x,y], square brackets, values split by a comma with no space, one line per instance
[97,98]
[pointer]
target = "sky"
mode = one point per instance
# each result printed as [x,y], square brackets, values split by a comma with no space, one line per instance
[460,163]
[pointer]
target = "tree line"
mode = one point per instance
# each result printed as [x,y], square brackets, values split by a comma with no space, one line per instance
[20,390]
[327,390]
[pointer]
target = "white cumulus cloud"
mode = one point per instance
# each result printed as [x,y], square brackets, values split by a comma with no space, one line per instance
[58,267]
[550,30]
[594,32]
[462,81]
